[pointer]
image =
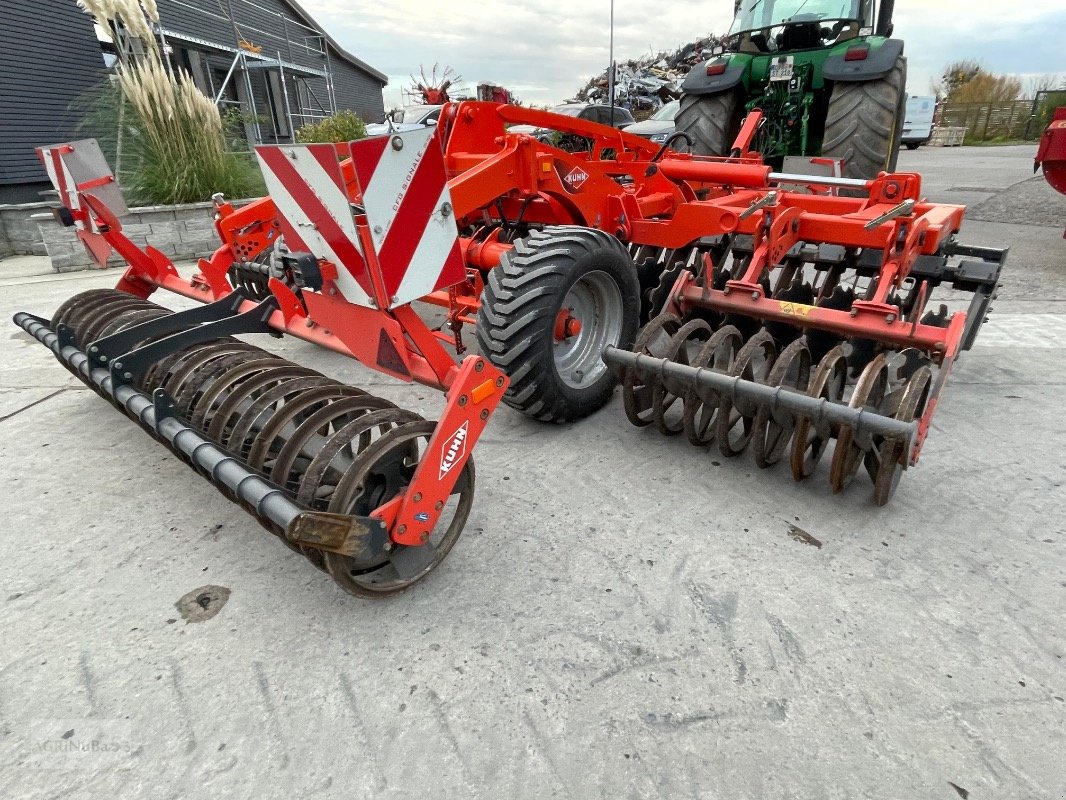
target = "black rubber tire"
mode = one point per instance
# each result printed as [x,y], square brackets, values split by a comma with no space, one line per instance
[712,120]
[864,123]
[913,145]
[523,297]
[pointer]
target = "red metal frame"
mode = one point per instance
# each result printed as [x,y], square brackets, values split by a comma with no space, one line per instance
[622,184]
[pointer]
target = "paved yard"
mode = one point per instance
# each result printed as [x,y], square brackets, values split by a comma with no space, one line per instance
[625,616]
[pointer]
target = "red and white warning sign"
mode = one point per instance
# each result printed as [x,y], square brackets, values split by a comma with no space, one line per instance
[409,210]
[401,181]
[306,185]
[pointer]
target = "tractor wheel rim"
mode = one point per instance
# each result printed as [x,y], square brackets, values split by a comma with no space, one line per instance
[596,302]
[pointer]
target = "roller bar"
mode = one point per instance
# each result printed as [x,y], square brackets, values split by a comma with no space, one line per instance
[264,499]
[863,422]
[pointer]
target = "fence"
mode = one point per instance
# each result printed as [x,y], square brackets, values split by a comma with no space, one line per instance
[1043,107]
[1012,119]
[984,121]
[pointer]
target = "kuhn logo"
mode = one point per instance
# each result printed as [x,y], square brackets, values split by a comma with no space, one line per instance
[454,449]
[576,178]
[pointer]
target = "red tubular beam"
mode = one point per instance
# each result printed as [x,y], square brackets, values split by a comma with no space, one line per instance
[751,176]
[872,325]
[747,133]
[483,255]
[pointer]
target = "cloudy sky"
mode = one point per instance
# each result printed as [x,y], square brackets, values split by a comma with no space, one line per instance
[544,50]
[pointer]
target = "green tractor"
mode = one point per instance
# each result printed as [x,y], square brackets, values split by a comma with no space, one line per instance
[827,77]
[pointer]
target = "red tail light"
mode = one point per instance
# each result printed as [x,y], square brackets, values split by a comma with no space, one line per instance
[857,53]
[717,67]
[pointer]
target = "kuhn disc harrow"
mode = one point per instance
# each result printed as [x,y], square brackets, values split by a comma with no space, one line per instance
[785,317]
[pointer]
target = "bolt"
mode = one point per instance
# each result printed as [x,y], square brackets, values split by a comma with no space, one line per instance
[378,229]
[438,505]
[387,546]
[310,323]
[402,530]
[479,366]
[394,299]
[485,413]
[854,312]
[292,154]
[462,400]
[118,365]
[754,295]
[397,143]
[890,318]
[128,376]
[424,537]
[499,383]
[445,209]
[418,497]
[94,349]
[725,290]
[103,359]
[578,375]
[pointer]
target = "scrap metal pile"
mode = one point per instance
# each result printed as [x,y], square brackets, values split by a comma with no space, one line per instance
[783,315]
[646,83]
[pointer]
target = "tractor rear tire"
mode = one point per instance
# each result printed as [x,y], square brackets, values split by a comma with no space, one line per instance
[556,376]
[865,122]
[712,120]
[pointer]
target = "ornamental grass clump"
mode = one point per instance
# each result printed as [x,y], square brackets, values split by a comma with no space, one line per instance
[175,152]
[168,135]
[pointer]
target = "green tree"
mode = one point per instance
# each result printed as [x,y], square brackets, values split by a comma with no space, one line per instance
[968,82]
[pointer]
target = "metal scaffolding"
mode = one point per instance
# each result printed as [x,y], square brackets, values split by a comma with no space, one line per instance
[299,101]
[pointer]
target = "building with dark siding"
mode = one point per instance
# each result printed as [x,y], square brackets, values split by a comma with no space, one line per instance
[267,58]
[270,59]
[50,57]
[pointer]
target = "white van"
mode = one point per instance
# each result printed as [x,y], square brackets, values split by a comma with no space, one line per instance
[918,123]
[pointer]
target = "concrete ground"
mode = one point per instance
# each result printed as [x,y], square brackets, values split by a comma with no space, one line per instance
[625,616]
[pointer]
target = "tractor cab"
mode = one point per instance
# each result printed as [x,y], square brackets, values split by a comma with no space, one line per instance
[773,26]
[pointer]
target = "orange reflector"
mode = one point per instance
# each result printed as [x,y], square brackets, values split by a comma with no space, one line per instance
[545,166]
[483,391]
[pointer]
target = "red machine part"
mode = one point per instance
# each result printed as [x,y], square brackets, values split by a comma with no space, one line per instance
[480,188]
[355,310]
[1051,153]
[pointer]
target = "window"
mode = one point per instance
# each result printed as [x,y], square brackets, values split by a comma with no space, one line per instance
[276,98]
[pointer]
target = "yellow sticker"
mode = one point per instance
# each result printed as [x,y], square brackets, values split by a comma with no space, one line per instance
[796,309]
